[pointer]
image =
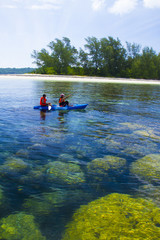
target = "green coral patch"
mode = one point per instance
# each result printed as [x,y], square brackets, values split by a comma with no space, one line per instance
[45,203]
[100,167]
[65,172]
[19,226]
[115,216]
[147,168]
[13,165]
[150,192]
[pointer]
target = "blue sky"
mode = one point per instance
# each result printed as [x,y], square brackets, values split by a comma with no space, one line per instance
[28,25]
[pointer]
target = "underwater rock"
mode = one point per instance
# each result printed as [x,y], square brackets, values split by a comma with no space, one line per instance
[19,226]
[64,157]
[150,192]
[112,143]
[141,130]
[147,168]
[133,126]
[13,165]
[147,133]
[141,149]
[45,203]
[82,150]
[33,176]
[37,146]
[68,173]
[22,153]
[115,216]
[100,168]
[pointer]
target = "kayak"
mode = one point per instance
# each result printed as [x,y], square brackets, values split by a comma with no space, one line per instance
[57,107]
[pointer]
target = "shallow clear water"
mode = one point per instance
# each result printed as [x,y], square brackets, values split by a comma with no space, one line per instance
[121,120]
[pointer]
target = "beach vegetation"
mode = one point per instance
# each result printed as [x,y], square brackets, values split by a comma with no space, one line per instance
[104,57]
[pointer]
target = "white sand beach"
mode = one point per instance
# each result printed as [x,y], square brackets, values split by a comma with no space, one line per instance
[70,78]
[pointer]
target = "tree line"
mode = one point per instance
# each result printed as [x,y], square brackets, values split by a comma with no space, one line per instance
[16,70]
[105,57]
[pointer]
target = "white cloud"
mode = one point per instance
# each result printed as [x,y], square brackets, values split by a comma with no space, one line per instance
[123,6]
[97,4]
[151,3]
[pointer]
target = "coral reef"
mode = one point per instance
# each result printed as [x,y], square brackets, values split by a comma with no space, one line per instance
[23,153]
[82,150]
[101,167]
[64,157]
[45,203]
[150,192]
[33,176]
[133,126]
[147,133]
[65,173]
[19,226]
[147,168]
[115,216]
[13,165]
[146,148]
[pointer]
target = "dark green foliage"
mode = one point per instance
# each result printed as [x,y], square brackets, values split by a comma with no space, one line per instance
[106,57]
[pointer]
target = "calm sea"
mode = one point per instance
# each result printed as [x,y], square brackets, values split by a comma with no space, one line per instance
[45,156]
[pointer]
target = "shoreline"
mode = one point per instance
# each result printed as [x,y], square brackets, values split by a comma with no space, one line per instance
[70,78]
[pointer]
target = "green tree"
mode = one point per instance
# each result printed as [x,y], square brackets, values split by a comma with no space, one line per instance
[114,57]
[104,57]
[133,50]
[63,55]
[84,62]
[43,60]
[133,53]
[93,56]
[145,66]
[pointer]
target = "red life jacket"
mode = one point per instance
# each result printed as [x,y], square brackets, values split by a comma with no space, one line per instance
[43,101]
[61,100]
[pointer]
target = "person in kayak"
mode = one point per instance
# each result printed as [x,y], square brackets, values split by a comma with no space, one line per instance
[43,101]
[62,100]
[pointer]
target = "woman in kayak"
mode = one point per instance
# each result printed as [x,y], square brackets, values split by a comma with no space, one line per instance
[62,100]
[43,101]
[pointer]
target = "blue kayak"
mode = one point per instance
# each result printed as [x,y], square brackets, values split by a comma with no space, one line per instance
[57,107]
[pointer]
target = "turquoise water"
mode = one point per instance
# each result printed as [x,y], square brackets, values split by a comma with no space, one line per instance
[45,156]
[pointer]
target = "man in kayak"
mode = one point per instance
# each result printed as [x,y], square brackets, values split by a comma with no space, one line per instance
[62,100]
[43,101]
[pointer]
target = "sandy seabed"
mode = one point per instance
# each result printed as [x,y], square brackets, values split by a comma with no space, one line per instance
[69,78]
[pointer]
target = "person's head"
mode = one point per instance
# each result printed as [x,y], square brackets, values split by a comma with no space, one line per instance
[44,95]
[62,95]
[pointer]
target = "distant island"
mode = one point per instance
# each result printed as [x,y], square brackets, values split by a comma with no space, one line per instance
[16,70]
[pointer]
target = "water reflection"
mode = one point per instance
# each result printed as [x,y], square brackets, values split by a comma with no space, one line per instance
[61,117]
[43,114]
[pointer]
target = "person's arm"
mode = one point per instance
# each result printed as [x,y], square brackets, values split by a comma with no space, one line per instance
[67,96]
